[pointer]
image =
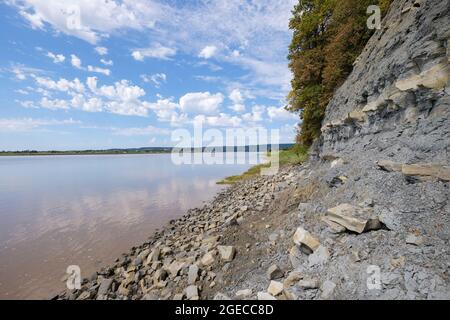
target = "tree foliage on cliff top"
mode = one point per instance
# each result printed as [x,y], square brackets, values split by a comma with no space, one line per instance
[328,35]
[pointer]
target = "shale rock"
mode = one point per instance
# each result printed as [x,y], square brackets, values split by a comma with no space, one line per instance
[274,272]
[226,253]
[353,218]
[275,288]
[303,237]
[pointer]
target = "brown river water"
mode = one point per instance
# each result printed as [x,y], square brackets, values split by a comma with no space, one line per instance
[57,211]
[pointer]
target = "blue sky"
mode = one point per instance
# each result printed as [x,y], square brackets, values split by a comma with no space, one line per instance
[95,74]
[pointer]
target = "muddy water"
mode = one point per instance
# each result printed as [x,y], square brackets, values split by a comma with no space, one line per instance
[58,211]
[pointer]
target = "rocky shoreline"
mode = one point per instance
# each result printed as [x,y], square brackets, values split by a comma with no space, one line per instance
[193,256]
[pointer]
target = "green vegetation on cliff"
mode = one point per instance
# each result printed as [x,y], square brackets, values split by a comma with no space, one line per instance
[328,35]
[295,155]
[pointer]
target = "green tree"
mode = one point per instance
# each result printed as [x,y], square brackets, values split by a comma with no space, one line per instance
[328,35]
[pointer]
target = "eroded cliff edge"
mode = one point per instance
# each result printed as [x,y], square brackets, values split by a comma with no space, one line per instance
[368,217]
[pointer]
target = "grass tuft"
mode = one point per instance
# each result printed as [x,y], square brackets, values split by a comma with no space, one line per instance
[293,156]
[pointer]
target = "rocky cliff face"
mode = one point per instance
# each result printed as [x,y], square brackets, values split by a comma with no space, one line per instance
[387,133]
[399,89]
[368,217]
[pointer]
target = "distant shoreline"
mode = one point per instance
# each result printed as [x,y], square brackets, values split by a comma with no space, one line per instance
[150,150]
[74,153]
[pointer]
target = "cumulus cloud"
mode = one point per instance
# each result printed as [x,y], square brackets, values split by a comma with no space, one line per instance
[256,115]
[107,62]
[75,61]
[157,51]
[54,104]
[61,85]
[101,50]
[106,72]
[237,98]
[238,107]
[57,58]
[208,52]
[157,79]
[201,102]
[120,98]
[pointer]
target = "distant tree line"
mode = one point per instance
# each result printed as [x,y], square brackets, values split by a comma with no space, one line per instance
[328,36]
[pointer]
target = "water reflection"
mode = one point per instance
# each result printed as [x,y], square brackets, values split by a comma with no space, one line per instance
[86,210]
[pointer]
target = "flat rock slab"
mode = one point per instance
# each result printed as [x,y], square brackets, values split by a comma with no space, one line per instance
[303,237]
[427,170]
[335,227]
[353,218]
[424,170]
[275,288]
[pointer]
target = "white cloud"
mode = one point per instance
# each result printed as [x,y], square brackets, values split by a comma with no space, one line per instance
[236,96]
[256,34]
[238,107]
[157,79]
[89,20]
[22,72]
[75,61]
[101,50]
[222,120]
[21,91]
[256,115]
[157,51]
[61,85]
[28,124]
[288,133]
[54,104]
[208,52]
[167,111]
[280,113]
[121,98]
[57,58]
[19,73]
[121,91]
[201,102]
[106,72]
[107,62]
[270,74]
[238,99]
